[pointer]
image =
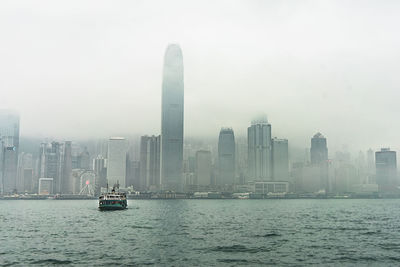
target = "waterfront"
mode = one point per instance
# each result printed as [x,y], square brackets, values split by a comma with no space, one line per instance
[201,232]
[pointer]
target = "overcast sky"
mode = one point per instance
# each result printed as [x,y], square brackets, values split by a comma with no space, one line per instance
[79,69]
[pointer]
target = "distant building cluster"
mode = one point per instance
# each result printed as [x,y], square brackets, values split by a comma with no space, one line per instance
[259,164]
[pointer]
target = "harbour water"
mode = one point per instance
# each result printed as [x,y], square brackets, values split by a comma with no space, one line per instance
[201,232]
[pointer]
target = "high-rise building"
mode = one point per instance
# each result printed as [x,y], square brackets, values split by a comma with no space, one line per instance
[172,120]
[28,180]
[54,166]
[226,156]
[260,150]
[149,163]
[280,159]
[132,173]
[319,159]
[100,170]
[9,169]
[386,170]
[9,128]
[203,168]
[9,145]
[116,161]
[84,160]
[66,183]
[319,149]
[25,161]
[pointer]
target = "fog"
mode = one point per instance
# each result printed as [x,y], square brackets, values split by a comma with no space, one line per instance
[83,69]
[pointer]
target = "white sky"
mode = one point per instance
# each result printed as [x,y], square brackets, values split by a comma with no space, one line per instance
[79,69]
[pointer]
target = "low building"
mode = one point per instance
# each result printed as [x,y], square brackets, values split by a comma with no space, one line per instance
[45,186]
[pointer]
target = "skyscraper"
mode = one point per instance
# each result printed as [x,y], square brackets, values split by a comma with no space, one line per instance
[386,170]
[9,144]
[280,159]
[226,156]
[100,170]
[259,149]
[319,159]
[203,168]
[66,183]
[116,161]
[172,120]
[319,149]
[9,128]
[149,163]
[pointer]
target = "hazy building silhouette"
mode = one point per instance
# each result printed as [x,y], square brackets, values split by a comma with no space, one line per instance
[386,170]
[226,156]
[53,165]
[280,159]
[149,163]
[84,160]
[203,168]
[116,161]
[172,119]
[100,170]
[66,183]
[259,149]
[46,186]
[132,173]
[319,149]
[9,169]
[9,145]
[319,160]
[25,161]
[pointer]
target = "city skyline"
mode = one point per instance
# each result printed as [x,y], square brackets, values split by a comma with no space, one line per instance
[335,70]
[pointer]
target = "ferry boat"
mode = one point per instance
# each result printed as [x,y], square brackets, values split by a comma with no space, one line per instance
[113,201]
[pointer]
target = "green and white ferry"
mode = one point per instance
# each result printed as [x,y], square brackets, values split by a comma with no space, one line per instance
[113,201]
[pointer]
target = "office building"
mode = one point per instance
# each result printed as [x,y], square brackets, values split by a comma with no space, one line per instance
[259,150]
[46,186]
[149,163]
[172,119]
[9,146]
[319,149]
[203,168]
[280,159]
[116,161]
[386,170]
[226,157]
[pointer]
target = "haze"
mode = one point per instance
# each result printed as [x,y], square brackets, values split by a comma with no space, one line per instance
[82,69]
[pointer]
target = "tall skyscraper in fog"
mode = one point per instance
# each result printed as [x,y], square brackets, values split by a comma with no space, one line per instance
[319,159]
[9,144]
[116,161]
[66,183]
[149,163]
[386,170]
[319,149]
[203,168]
[280,159]
[259,149]
[226,156]
[172,120]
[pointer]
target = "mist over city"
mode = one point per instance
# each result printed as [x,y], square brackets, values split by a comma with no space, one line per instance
[199,132]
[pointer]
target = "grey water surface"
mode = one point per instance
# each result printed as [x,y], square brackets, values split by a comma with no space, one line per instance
[201,232]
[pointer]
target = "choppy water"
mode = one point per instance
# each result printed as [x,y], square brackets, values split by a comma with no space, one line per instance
[201,232]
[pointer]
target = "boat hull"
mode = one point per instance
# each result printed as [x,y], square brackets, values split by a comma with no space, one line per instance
[112,207]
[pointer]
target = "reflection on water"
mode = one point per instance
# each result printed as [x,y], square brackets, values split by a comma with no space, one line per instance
[201,232]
